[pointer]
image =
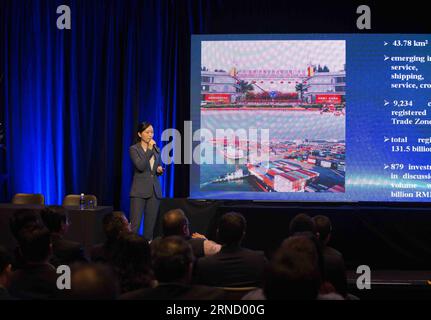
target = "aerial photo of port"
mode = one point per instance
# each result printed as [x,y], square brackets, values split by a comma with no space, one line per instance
[293,166]
[295,90]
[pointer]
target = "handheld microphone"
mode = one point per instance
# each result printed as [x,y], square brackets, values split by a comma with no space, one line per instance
[156,148]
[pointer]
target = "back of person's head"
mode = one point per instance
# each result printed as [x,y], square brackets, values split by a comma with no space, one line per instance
[35,244]
[132,262]
[301,223]
[55,218]
[132,250]
[311,247]
[172,260]
[304,244]
[293,273]
[114,224]
[291,276]
[323,228]
[5,262]
[93,282]
[22,219]
[175,223]
[232,228]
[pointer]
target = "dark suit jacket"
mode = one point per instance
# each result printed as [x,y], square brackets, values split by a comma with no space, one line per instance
[175,291]
[145,180]
[66,251]
[36,282]
[233,266]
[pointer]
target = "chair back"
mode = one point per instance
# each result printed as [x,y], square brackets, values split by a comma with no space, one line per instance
[28,198]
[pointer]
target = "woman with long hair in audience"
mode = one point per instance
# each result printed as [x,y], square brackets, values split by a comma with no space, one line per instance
[132,263]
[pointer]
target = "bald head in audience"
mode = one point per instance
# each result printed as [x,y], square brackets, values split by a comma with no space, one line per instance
[175,223]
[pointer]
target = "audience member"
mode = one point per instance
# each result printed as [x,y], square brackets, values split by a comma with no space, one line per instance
[65,252]
[114,224]
[92,281]
[233,266]
[173,266]
[37,278]
[132,263]
[294,274]
[175,223]
[335,271]
[302,223]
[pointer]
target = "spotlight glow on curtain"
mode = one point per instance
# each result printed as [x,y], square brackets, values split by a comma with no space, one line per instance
[73,98]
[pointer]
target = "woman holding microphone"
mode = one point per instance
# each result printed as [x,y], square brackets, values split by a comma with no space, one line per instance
[145,193]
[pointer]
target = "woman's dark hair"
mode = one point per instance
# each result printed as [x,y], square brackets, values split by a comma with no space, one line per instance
[113,226]
[291,275]
[171,259]
[132,262]
[294,273]
[141,127]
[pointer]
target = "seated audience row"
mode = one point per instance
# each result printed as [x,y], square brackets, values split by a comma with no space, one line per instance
[178,265]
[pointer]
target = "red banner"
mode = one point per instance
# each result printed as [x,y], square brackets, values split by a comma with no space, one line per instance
[217,97]
[328,98]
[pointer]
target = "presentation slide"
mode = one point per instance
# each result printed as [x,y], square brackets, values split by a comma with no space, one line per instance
[311,117]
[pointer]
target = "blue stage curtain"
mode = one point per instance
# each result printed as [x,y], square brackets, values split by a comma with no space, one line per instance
[72,99]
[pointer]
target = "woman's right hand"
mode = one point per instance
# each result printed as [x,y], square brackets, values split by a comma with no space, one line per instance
[151,144]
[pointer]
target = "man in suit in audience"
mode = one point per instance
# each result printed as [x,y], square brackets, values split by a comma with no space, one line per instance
[335,271]
[37,278]
[65,251]
[114,225]
[5,273]
[173,267]
[233,266]
[175,223]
